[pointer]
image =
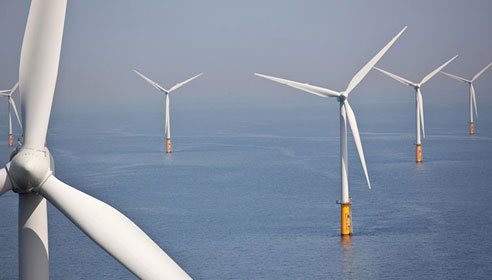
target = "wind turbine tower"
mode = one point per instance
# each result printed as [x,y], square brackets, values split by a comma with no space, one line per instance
[346,115]
[419,101]
[167,92]
[30,173]
[11,104]
[473,100]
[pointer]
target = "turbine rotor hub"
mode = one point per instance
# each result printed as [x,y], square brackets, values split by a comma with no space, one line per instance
[29,169]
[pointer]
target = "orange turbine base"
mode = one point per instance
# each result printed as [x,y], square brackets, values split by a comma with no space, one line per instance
[346,219]
[419,153]
[168,145]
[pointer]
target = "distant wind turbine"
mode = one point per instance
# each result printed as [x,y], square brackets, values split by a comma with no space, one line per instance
[419,101]
[346,113]
[167,92]
[473,100]
[11,104]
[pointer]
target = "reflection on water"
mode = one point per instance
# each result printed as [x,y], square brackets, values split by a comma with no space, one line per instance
[346,243]
[346,254]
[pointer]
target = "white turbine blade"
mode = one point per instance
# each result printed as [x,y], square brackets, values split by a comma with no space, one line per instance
[178,85]
[319,91]
[474,99]
[458,78]
[481,72]
[363,72]
[14,88]
[113,231]
[38,70]
[396,77]
[5,184]
[12,102]
[420,102]
[154,84]
[355,133]
[308,90]
[433,73]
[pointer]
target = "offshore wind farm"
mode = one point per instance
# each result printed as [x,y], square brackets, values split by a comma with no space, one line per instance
[249,189]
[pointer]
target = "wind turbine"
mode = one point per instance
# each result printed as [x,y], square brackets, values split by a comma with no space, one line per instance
[418,101]
[30,172]
[346,113]
[473,100]
[11,103]
[167,92]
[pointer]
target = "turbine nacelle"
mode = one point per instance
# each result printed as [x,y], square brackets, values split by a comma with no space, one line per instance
[29,169]
[342,97]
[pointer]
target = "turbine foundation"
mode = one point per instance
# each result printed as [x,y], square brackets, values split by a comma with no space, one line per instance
[346,218]
[168,145]
[419,153]
[10,140]
[472,129]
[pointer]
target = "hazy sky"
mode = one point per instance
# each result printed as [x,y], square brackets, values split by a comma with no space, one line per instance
[321,42]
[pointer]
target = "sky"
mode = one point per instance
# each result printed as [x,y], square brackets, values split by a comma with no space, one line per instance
[321,42]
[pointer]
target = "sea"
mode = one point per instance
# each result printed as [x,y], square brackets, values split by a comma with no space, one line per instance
[250,188]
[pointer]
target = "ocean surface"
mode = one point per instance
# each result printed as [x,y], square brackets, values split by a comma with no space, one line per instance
[249,191]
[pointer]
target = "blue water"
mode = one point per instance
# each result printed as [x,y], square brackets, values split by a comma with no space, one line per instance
[249,191]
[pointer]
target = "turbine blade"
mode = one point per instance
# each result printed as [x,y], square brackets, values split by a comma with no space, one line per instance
[433,73]
[5,184]
[38,70]
[113,231]
[12,102]
[474,99]
[319,91]
[154,84]
[308,90]
[355,133]
[14,88]
[178,85]
[481,72]
[420,102]
[455,77]
[363,72]
[396,77]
